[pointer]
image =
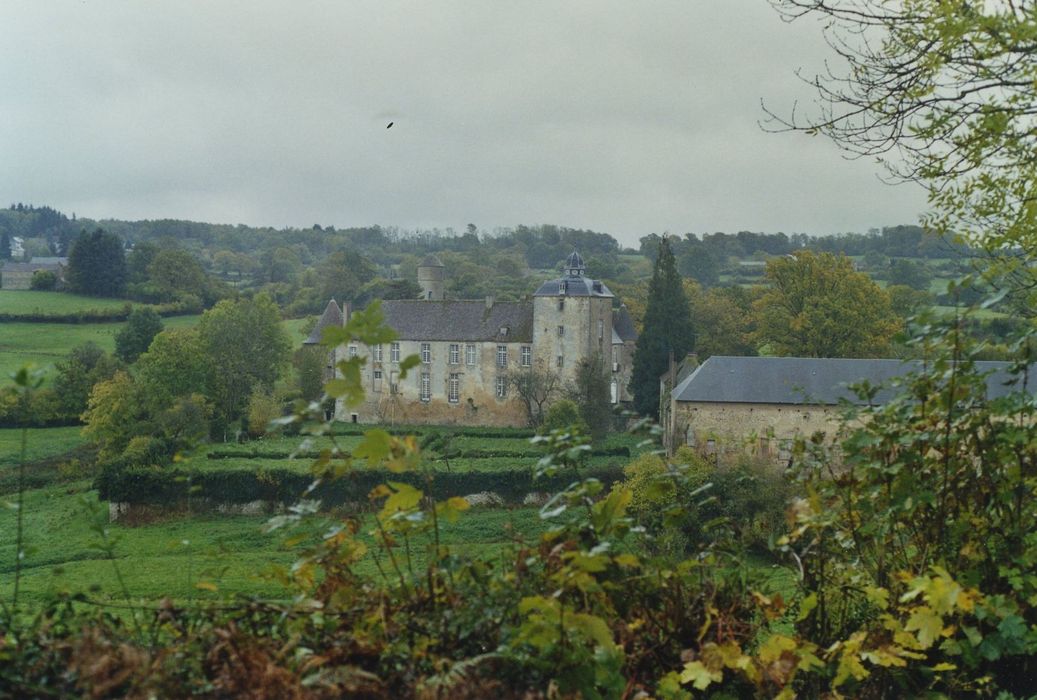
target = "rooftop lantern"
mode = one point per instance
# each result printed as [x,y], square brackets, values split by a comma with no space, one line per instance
[574,266]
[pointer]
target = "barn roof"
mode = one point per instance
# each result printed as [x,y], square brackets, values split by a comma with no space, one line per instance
[801,380]
[623,324]
[460,320]
[332,316]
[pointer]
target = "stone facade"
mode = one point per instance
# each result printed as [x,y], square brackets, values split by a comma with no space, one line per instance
[16,275]
[462,383]
[469,348]
[765,430]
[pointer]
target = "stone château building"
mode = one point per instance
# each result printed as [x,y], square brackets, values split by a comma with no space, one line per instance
[471,349]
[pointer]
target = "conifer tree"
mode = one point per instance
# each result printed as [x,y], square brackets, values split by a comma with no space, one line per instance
[5,246]
[667,328]
[97,265]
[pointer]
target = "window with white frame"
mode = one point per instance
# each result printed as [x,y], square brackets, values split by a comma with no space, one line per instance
[377,353]
[469,354]
[561,331]
[426,353]
[353,350]
[502,355]
[453,388]
[502,387]
[394,352]
[614,391]
[377,380]
[426,386]
[527,356]
[455,354]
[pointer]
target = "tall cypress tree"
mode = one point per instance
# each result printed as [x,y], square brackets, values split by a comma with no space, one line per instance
[667,328]
[97,265]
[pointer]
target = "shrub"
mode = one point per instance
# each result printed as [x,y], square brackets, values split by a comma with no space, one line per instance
[562,414]
[262,409]
[43,280]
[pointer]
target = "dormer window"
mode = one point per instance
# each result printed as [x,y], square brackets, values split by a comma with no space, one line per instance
[503,331]
[563,287]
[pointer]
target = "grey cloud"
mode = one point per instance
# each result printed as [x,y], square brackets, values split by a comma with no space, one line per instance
[622,117]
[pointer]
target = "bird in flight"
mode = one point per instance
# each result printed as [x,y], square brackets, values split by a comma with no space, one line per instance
[390,125]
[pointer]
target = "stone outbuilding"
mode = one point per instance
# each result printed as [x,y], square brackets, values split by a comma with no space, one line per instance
[18,275]
[761,404]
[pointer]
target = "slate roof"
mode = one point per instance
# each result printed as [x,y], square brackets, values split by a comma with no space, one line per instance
[332,316]
[574,287]
[623,324]
[35,264]
[460,320]
[804,381]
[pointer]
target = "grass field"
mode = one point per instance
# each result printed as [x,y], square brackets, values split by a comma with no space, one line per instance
[168,558]
[43,344]
[40,443]
[46,303]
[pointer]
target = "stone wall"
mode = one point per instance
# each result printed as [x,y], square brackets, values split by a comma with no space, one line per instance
[15,279]
[587,324]
[761,429]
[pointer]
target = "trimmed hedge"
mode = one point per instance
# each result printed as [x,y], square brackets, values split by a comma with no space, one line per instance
[101,315]
[423,430]
[158,485]
[257,453]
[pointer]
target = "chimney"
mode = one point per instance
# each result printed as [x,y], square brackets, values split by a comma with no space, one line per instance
[489,303]
[347,309]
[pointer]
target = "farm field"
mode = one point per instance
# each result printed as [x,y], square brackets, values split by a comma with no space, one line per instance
[45,343]
[40,444]
[170,557]
[64,520]
[25,302]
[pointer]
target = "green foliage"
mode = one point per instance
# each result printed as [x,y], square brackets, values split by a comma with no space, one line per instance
[245,348]
[667,329]
[910,273]
[43,281]
[97,265]
[77,374]
[562,414]
[592,395]
[262,409]
[817,306]
[133,339]
[309,368]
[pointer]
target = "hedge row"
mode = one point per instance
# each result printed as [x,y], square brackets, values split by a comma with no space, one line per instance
[158,485]
[99,315]
[257,453]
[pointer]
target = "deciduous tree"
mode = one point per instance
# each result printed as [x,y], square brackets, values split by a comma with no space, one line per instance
[245,348]
[133,339]
[536,387]
[817,306]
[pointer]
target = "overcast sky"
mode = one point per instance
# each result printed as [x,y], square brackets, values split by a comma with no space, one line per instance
[625,117]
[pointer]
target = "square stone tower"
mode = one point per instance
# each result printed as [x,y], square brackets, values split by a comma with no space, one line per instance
[572,320]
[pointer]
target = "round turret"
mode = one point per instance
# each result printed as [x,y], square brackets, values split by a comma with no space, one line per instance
[431,278]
